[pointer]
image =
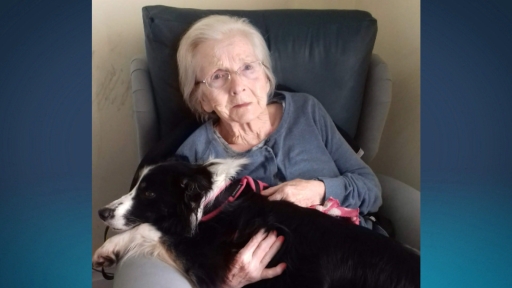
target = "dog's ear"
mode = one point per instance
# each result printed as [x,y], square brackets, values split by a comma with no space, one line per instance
[195,188]
[196,185]
[203,182]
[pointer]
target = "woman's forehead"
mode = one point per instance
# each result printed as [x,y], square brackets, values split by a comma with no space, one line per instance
[225,52]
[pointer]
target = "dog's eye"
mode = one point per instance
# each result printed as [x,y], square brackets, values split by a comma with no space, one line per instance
[149,194]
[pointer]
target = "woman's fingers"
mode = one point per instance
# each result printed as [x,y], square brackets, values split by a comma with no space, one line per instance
[301,192]
[265,252]
[273,193]
[276,196]
[250,262]
[270,191]
[264,246]
[273,272]
[254,242]
[272,251]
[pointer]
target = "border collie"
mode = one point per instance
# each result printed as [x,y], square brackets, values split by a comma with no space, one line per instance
[193,217]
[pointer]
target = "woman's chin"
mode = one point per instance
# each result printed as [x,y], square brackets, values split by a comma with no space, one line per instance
[242,117]
[245,115]
[239,121]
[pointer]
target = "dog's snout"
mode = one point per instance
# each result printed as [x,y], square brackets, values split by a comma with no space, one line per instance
[106,213]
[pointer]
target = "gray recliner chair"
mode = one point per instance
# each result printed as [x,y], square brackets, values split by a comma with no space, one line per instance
[326,53]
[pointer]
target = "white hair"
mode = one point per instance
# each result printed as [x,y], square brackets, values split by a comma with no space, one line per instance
[216,27]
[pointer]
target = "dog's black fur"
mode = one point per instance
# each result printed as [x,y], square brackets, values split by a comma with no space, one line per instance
[319,250]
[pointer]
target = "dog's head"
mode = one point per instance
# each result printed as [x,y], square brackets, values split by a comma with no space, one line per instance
[171,195]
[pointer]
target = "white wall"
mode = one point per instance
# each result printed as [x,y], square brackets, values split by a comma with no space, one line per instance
[118,37]
[398,43]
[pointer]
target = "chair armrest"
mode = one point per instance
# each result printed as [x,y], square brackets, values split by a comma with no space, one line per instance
[376,102]
[138,271]
[401,204]
[144,111]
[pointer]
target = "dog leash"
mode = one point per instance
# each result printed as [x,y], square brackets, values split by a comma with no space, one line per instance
[106,275]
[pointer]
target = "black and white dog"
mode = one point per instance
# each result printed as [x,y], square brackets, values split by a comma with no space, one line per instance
[164,215]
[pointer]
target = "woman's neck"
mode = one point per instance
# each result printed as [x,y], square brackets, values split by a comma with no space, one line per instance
[242,137]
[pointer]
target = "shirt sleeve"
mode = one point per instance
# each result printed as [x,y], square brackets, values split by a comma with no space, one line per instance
[357,187]
[195,148]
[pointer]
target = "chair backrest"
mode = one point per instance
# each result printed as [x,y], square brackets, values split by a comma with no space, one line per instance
[325,53]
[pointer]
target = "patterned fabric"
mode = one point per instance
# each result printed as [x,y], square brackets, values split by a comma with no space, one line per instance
[332,207]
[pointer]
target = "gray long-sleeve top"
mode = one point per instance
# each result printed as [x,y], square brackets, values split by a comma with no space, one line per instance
[305,145]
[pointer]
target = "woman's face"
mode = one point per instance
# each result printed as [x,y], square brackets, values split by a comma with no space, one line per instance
[242,99]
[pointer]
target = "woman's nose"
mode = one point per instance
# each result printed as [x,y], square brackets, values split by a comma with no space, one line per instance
[236,84]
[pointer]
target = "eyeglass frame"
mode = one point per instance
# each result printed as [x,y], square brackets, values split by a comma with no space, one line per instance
[229,74]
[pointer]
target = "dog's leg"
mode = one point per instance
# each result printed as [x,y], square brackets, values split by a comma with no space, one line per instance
[141,239]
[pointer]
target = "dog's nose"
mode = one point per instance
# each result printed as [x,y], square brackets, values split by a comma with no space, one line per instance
[106,213]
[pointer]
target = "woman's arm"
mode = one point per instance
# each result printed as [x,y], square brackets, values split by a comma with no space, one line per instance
[356,187]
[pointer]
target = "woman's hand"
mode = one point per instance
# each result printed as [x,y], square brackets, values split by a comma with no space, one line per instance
[301,192]
[249,264]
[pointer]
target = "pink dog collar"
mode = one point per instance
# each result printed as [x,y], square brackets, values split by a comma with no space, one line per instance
[244,181]
[331,206]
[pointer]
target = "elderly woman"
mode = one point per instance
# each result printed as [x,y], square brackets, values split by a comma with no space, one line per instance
[293,145]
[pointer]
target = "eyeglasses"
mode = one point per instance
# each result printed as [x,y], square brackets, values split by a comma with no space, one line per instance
[220,78]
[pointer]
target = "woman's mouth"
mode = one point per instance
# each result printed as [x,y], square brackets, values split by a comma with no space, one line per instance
[242,105]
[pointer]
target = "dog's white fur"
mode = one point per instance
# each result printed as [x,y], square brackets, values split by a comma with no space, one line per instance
[141,240]
[144,239]
[123,204]
[223,170]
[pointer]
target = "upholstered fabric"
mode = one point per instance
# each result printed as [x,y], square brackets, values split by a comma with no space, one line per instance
[142,272]
[401,204]
[325,53]
[376,102]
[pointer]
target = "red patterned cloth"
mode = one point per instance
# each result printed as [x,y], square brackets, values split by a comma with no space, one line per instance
[333,208]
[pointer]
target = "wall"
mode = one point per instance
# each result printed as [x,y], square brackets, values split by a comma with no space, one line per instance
[118,37]
[398,43]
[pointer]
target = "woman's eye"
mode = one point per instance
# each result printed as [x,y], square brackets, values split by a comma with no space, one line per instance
[248,67]
[218,76]
[149,194]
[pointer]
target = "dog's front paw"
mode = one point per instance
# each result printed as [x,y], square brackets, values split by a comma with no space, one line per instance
[104,257]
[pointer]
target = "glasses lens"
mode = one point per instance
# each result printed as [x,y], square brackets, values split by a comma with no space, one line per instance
[218,79]
[250,70]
